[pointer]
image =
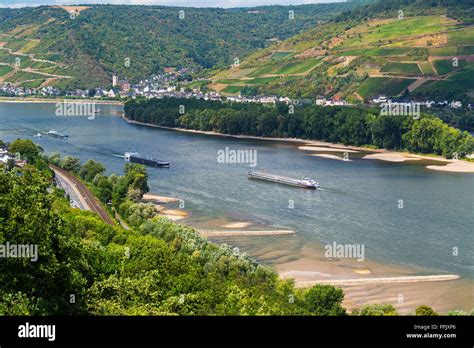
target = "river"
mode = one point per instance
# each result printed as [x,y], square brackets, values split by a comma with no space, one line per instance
[403,214]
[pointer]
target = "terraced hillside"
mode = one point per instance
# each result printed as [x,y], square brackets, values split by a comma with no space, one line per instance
[429,55]
[81,46]
[23,68]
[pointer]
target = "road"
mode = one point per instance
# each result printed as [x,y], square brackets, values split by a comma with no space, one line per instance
[80,194]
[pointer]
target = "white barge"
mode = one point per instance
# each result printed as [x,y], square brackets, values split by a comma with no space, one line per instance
[305,182]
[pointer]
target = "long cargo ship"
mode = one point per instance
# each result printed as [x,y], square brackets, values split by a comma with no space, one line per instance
[55,134]
[305,182]
[146,160]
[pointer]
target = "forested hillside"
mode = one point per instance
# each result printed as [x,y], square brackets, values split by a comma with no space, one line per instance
[83,49]
[425,47]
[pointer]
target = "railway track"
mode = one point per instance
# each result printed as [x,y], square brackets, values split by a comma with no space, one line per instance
[91,202]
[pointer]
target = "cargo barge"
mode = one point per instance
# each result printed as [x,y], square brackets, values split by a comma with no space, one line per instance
[55,134]
[305,182]
[146,160]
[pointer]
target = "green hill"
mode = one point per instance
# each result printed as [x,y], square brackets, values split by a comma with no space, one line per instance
[426,47]
[48,45]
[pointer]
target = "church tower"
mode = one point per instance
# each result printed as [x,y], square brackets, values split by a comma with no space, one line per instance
[114,79]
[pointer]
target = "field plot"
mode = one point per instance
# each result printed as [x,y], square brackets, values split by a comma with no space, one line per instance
[374,52]
[265,70]
[5,69]
[297,67]
[462,37]
[280,55]
[445,66]
[427,68]
[383,85]
[443,51]
[401,68]
[230,81]
[261,80]
[395,29]
[459,82]
[232,89]
[33,84]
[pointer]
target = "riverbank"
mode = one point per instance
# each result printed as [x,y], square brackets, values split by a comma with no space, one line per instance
[448,165]
[371,282]
[59,100]
[363,282]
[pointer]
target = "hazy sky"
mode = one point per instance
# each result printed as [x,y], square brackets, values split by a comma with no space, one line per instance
[193,3]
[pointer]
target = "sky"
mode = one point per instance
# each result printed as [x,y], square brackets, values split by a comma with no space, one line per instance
[187,3]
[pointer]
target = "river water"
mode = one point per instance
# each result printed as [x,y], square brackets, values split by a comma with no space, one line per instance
[404,214]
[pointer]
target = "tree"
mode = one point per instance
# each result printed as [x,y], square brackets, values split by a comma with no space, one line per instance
[376,310]
[90,169]
[324,300]
[26,148]
[70,164]
[55,159]
[425,311]
[137,177]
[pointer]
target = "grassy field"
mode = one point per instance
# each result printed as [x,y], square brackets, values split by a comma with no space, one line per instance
[443,51]
[261,80]
[21,76]
[6,57]
[230,81]
[232,89]
[445,66]
[280,55]
[265,70]
[466,50]
[32,84]
[297,67]
[199,83]
[427,68]
[374,52]
[41,65]
[395,29]
[462,37]
[5,69]
[401,68]
[383,85]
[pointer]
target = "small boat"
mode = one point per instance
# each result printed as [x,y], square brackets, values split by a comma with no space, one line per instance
[38,135]
[97,111]
[146,160]
[56,134]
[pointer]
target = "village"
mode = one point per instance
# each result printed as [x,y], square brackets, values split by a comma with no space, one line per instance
[179,84]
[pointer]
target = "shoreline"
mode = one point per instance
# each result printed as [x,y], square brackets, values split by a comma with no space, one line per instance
[449,166]
[374,281]
[56,100]
[367,282]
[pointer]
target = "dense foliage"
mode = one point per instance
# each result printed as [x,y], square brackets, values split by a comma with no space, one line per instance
[347,125]
[457,9]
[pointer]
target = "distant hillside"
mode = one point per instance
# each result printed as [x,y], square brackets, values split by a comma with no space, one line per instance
[425,47]
[47,45]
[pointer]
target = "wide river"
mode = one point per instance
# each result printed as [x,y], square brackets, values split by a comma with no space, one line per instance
[360,201]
